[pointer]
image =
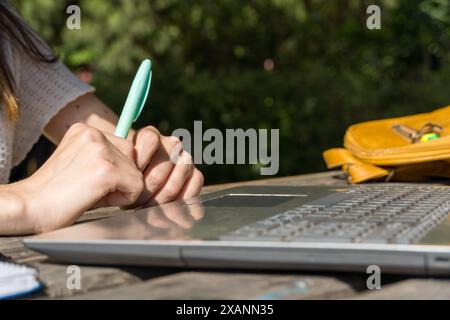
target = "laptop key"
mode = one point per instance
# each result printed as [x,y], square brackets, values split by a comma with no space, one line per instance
[406,219]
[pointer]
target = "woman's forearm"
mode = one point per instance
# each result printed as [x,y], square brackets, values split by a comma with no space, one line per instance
[87,109]
[14,218]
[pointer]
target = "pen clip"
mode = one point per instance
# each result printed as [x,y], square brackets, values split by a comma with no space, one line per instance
[142,88]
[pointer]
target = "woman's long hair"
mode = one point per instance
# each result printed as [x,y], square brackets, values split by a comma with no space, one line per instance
[14,30]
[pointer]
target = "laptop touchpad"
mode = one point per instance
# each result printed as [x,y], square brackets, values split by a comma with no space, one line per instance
[249,200]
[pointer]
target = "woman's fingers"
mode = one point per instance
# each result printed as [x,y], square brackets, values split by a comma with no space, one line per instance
[118,173]
[141,150]
[124,146]
[176,180]
[193,185]
[167,168]
[159,169]
[146,144]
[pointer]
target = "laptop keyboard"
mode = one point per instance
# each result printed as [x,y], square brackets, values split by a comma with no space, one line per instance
[375,214]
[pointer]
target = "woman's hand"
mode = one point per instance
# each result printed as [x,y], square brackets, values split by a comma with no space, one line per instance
[164,180]
[86,170]
[169,172]
[90,169]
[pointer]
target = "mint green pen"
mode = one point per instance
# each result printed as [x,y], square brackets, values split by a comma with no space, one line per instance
[136,99]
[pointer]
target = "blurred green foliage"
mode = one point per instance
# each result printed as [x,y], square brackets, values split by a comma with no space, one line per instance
[309,68]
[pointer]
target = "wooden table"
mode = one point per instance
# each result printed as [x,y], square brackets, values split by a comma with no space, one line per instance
[100,282]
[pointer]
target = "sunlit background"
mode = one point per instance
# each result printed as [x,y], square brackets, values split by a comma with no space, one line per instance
[309,68]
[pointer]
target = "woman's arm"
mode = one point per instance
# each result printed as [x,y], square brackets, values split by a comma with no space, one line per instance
[13,219]
[87,109]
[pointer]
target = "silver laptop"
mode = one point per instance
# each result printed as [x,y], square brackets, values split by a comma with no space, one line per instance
[400,228]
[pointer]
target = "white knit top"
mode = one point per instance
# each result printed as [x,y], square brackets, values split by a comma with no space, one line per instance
[42,89]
